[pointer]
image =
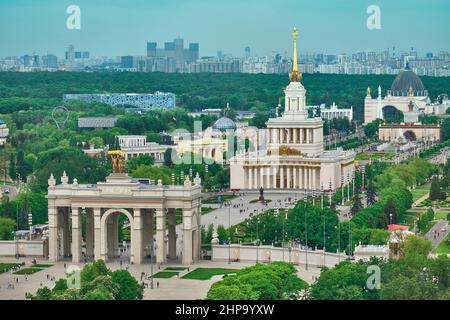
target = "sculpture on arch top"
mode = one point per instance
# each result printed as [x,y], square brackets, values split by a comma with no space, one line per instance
[117,161]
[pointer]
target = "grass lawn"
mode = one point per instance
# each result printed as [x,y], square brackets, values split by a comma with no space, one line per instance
[407,218]
[41,265]
[441,215]
[207,273]
[4,267]
[175,268]
[429,226]
[206,210]
[257,200]
[444,246]
[419,192]
[26,271]
[165,274]
[223,198]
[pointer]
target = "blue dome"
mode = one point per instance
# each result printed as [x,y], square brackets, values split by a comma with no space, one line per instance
[224,123]
[2,122]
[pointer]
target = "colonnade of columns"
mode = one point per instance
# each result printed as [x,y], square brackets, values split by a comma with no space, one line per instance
[102,233]
[291,135]
[282,177]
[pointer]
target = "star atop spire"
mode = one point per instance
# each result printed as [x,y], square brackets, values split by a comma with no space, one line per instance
[295,75]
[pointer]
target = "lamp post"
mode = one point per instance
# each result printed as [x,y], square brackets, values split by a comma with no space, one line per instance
[339,242]
[257,240]
[152,250]
[306,237]
[363,170]
[342,190]
[324,231]
[284,230]
[348,186]
[229,234]
[321,195]
[329,192]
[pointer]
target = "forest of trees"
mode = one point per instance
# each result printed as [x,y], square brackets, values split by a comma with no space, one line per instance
[197,91]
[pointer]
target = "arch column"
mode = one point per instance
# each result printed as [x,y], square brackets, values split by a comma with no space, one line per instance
[76,235]
[188,251]
[136,243]
[172,233]
[89,234]
[97,234]
[53,243]
[160,236]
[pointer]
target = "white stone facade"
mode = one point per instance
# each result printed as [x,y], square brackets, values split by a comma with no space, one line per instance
[135,146]
[143,205]
[336,113]
[294,157]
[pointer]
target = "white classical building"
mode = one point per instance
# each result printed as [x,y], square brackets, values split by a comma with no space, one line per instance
[135,146]
[96,207]
[333,112]
[4,132]
[407,87]
[294,157]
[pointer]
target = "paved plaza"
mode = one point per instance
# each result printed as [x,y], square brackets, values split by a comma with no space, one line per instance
[169,289]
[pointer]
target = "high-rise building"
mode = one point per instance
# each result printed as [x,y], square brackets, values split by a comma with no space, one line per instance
[126,62]
[50,61]
[162,59]
[151,49]
[247,52]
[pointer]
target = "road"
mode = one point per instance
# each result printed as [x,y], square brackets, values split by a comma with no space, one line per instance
[232,215]
[436,233]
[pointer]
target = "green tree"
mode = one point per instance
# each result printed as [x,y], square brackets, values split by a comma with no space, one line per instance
[144,160]
[129,288]
[371,193]
[7,226]
[222,233]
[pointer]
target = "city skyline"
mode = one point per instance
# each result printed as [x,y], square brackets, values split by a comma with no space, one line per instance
[125,28]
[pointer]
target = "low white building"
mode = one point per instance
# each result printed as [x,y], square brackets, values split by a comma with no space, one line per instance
[334,112]
[365,252]
[4,132]
[135,146]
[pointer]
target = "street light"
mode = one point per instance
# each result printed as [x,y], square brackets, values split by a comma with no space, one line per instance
[257,240]
[306,237]
[321,195]
[342,190]
[152,250]
[229,234]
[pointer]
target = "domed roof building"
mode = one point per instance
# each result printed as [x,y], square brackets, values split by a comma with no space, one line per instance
[407,83]
[224,124]
[406,88]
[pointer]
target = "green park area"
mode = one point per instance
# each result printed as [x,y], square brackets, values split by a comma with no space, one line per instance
[442,215]
[207,273]
[374,156]
[165,274]
[444,246]
[27,271]
[420,191]
[5,267]
[213,200]
[206,210]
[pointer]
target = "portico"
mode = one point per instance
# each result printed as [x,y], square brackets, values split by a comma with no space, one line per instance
[150,210]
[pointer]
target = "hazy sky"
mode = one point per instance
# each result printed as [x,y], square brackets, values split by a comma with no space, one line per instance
[121,27]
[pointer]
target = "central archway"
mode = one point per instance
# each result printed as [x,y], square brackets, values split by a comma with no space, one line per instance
[410,135]
[109,236]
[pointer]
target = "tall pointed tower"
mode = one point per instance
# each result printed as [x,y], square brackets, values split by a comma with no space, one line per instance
[294,130]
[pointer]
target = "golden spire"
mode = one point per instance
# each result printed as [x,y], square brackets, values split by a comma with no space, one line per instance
[295,75]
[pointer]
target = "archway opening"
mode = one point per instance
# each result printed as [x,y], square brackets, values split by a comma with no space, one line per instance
[117,235]
[410,136]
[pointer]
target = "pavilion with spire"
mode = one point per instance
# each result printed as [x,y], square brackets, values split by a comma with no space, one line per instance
[294,156]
